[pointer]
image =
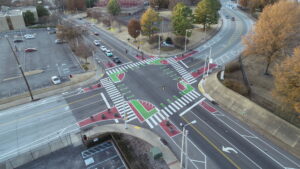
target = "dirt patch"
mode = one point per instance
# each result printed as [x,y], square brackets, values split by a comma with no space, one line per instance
[137,153]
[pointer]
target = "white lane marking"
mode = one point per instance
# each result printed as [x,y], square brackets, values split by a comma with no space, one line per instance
[298,165]
[188,109]
[106,102]
[224,138]
[149,124]
[184,64]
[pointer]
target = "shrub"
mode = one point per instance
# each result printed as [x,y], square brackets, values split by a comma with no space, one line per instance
[179,42]
[232,67]
[85,67]
[236,86]
[169,40]
[154,39]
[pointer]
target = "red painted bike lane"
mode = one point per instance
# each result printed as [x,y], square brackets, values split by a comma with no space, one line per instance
[169,128]
[101,116]
[207,107]
[178,58]
[202,70]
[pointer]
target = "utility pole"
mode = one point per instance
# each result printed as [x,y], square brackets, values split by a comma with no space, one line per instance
[20,67]
[184,144]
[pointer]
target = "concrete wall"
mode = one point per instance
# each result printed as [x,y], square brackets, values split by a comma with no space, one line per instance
[243,108]
[3,24]
[17,21]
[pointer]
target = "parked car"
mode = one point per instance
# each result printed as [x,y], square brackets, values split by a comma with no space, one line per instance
[97,42]
[29,36]
[109,53]
[103,48]
[55,80]
[96,33]
[52,32]
[167,44]
[117,60]
[232,18]
[59,41]
[30,49]
[18,40]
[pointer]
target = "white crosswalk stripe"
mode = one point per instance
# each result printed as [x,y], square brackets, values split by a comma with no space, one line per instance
[166,114]
[169,111]
[196,93]
[185,74]
[177,103]
[171,108]
[149,124]
[157,118]
[121,105]
[161,116]
[183,103]
[174,105]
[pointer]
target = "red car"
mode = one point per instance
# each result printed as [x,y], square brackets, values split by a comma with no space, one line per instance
[30,50]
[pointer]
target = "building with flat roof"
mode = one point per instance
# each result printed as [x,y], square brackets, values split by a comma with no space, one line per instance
[12,19]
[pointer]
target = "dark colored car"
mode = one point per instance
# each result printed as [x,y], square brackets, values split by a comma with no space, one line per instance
[117,60]
[232,18]
[96,33]
[18,40]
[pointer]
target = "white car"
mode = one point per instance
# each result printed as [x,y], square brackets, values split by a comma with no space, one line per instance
[103,48]
[97,42]
[29,36]
[55,80]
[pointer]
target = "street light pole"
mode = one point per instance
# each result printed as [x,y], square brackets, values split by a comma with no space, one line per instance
[184,141]
[186,31]
[20,67]
[208,61]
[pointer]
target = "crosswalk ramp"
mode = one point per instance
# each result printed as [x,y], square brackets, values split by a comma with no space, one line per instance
[174,107]
[130,65]
[121,105]
[185,74]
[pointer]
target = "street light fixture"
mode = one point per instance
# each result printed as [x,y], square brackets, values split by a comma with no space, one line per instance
[184,141]
[186,31]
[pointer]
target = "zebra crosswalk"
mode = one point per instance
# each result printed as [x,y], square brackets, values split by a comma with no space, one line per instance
[121,105]
[172,108]
[185,74]
[130,65]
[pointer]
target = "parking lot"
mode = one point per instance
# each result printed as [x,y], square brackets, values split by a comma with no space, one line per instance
[49,60]
[101,156]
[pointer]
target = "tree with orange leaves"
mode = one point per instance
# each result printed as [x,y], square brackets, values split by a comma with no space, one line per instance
[274,31]
[287,81]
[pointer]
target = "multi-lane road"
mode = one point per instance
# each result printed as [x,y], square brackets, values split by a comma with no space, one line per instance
[148,92]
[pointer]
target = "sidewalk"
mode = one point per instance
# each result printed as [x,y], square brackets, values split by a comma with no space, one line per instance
[140,133]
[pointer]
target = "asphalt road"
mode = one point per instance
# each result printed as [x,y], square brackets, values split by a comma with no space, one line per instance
[217,140]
